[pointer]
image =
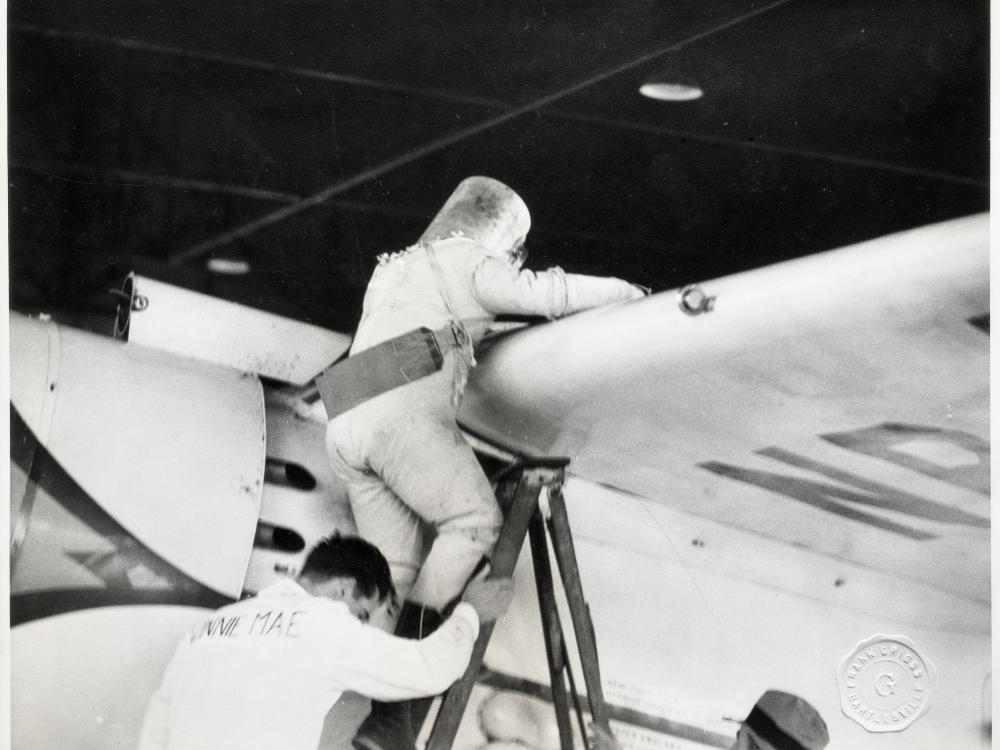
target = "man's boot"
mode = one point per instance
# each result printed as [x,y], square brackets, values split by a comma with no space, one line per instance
[395,725]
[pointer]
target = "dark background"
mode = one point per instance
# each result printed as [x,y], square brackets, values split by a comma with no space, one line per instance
[149,134]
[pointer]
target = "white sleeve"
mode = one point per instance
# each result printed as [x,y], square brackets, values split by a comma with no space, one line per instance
[501,288]
[384,667]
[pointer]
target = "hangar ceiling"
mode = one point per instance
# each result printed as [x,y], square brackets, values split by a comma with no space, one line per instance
[306,137]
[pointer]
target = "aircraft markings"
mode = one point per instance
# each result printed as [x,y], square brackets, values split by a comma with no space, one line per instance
[844,500]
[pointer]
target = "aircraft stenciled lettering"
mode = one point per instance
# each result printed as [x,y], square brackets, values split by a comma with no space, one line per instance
[853,491]
[890,441]
[269,623]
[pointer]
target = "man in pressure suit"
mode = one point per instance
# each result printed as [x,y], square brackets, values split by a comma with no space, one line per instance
[400,451]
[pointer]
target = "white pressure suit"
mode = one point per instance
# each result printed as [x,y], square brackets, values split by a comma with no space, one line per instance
[401,452]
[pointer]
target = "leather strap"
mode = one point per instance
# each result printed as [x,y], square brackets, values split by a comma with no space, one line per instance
[382,368]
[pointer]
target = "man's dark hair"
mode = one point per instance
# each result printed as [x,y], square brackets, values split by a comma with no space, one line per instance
[353,557]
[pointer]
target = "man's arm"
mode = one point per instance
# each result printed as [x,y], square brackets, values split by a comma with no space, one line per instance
[503,289]
[386,667]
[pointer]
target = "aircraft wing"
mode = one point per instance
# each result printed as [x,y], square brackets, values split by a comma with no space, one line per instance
[823,423]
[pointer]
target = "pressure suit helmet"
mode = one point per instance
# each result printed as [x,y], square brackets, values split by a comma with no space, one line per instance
[487,212]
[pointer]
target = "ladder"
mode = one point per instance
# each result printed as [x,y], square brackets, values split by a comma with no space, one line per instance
[518,488]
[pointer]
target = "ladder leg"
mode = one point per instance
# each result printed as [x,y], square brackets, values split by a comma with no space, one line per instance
[555,646]
[517,516]
[562,544]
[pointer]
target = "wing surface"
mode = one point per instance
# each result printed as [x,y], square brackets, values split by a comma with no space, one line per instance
[837,403]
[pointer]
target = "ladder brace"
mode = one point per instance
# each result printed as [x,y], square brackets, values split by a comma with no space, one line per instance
[518,488]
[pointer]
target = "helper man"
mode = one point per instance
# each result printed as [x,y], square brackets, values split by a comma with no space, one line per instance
[778,721]
[263,673]
[400,452]
[782,721]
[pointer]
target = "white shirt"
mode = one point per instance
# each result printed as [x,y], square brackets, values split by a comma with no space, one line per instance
[264,672]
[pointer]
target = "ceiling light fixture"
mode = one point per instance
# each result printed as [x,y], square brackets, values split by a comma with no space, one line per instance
[671,91]
[674,81]
[232,266]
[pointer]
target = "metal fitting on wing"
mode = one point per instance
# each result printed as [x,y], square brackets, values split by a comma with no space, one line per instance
[693,301]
